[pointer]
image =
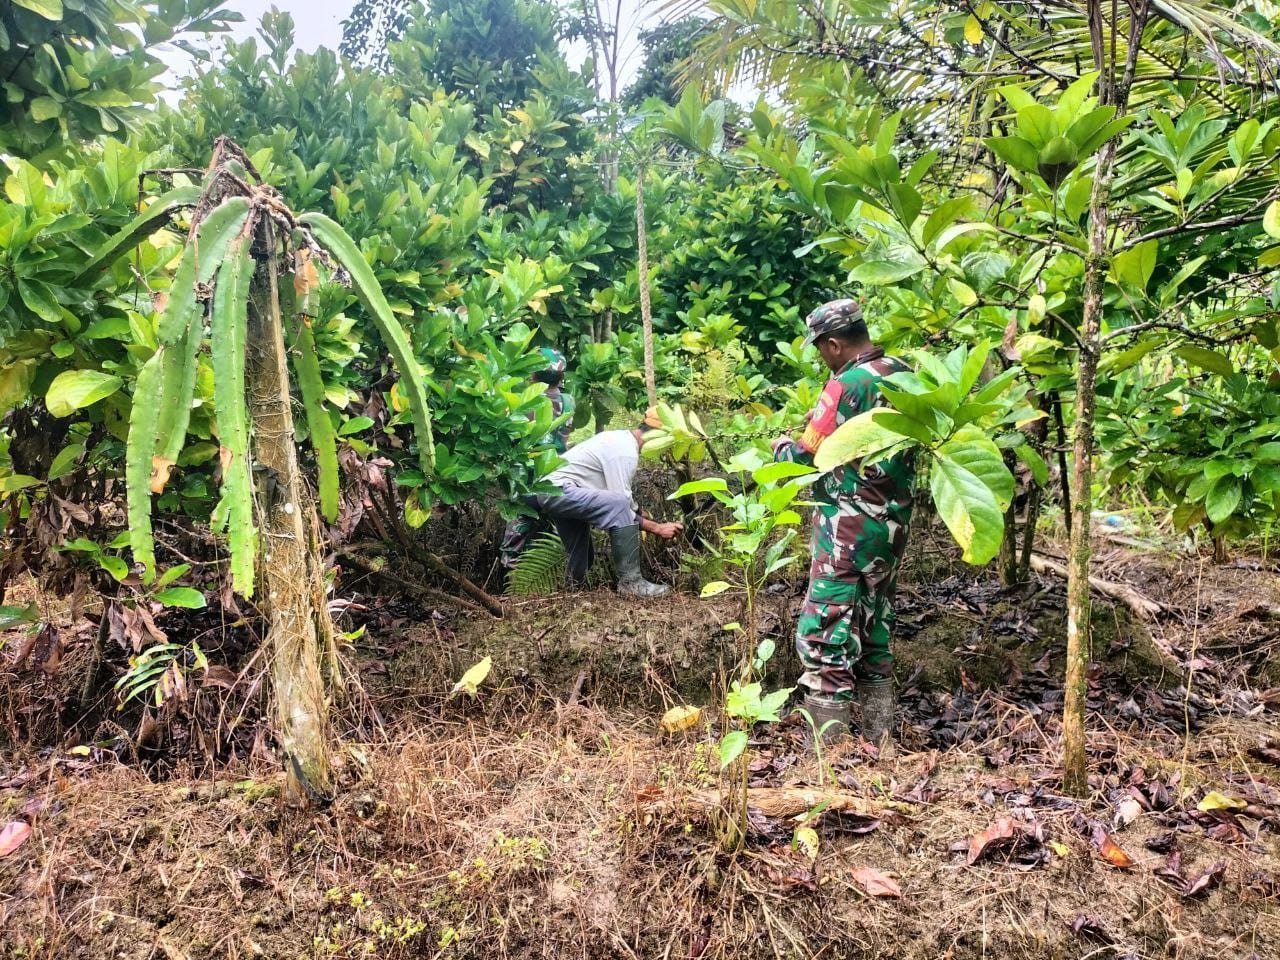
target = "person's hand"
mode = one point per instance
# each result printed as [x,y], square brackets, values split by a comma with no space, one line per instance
[667,531]
[779,442]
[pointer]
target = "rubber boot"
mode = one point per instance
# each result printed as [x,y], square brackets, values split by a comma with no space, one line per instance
[824,712]
[626,561]
[876,698]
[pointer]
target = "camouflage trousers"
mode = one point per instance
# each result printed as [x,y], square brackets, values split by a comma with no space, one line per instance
[847,617]
[516,537]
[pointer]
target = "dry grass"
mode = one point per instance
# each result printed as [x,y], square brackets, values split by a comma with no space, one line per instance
[521,836]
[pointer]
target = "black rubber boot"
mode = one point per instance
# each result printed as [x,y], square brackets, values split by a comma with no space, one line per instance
[876,698]
[626,561]
[830,718]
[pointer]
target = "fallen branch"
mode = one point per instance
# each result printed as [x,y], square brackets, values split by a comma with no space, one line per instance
[379,570]
[775,802]
[1144,607]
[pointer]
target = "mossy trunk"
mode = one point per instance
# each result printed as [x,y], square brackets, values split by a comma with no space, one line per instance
[289,567]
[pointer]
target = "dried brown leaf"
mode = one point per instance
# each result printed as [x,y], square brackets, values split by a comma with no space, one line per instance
[13,836]
[875,883]
[988,840]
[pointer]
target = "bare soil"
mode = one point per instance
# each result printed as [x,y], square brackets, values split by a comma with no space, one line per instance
[523,822]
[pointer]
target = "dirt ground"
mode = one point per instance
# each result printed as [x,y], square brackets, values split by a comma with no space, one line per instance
[551,817]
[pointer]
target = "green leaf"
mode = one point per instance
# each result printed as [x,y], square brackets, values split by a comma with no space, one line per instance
[1133,267]
[1206,359]
[1223,499]
[355,425]
[859,439]
[65,461]
[1016,152]
[972,449]
[713,589]
[172,574]
[370,293]
[731,746]
[968,508]
[883,272]
[114,566]
[15,384]
[18,481]
[11,616]
[783,470]
[185,597]
[708,485]
[49,9]
[1035,463]
[44,108]
[73,390]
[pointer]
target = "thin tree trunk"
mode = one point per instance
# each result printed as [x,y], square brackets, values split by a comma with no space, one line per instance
[1075,763]
[1064,473]
[1008,559]
[1029,532]
[642,272]
[297,623]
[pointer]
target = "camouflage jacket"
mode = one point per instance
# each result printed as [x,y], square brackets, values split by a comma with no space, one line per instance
[561,403]
[854,389]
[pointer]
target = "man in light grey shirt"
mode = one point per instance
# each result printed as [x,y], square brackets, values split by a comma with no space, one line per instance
[595,484]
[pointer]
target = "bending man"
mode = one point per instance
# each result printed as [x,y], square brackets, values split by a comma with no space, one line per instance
[595,484]
[859,536]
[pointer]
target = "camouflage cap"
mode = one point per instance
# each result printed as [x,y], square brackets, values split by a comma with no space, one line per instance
[555,359]
[832,317]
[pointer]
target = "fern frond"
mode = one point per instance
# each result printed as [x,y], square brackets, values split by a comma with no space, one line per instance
[540,568]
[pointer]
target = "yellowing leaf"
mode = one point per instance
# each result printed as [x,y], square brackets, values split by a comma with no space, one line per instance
[1213,800]
[680,718]
[807,842]
[973,30]
[1271,219]
[160,468]
[714,588]
[471,680]
[79,751]
[1060,848]
[399,402]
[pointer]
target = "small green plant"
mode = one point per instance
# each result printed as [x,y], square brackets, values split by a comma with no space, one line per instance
[746,705]
[759,541]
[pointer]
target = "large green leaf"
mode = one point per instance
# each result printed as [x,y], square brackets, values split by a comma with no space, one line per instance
[968,508]
[49,9]
[73,390]
[1223,499]
[1206,359]
[972,449]
[861,438]
[1133,267]
[366,287]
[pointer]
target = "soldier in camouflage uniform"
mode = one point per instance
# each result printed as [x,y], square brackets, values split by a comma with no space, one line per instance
[859,536]
[524,528]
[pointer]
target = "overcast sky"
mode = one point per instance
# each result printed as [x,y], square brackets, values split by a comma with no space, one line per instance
[318,23]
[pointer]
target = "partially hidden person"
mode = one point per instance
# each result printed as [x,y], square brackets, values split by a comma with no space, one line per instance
[860,525]
[595,491]
[521,530]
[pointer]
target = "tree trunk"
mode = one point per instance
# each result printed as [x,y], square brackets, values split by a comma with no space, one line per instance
[289,565]
[1008,559]
[642,277]
[1112,91]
